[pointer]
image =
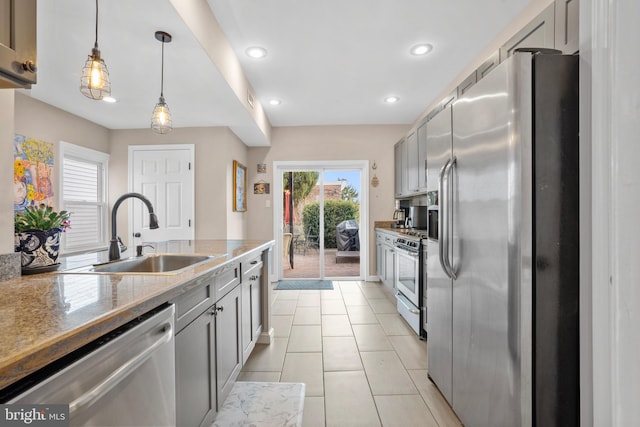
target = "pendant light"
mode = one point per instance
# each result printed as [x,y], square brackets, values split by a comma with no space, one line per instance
[94,82]
[161,117]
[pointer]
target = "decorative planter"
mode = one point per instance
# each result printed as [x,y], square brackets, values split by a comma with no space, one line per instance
[39,248]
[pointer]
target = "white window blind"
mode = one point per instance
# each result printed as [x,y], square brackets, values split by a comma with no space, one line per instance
[83,188]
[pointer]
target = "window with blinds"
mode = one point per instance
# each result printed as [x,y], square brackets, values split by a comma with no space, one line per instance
[83,189]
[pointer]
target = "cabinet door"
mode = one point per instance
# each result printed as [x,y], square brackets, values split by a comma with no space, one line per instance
[196,372]
[422,158]
[17,43]
[411,147]
[467,84]
[228,344]
[439,146]
[379,256]
[540,32]
[251,311]
[567,25]
[256,307]
[398,154]
[492,62]
[389,267]
[246,334]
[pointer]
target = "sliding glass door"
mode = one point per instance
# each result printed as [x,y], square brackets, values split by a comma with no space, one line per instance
[319,224]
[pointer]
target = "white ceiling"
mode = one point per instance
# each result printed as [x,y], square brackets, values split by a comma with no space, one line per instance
[330,61]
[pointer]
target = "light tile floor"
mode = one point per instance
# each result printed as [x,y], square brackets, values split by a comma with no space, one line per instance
[361,363]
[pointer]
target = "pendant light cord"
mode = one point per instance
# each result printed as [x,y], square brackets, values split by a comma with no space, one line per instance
[162,71]
[96,42]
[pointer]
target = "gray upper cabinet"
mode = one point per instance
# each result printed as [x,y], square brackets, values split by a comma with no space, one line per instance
[411,170]
[467,83]
[17,43]
[399,166]
[540,32]
[439,145]
[422,157]
[488,65]
[567,28]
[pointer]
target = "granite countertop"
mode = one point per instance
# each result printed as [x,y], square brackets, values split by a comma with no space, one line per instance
[46,316]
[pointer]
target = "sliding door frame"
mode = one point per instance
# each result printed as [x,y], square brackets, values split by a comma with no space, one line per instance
[279,167]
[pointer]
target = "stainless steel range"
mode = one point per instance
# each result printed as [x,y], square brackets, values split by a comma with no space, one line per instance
[409,254]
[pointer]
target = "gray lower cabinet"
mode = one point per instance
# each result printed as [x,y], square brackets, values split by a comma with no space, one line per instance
[385,259]
[389,266]
[196,372]
[251,304]
[380,256]
[228,342]
[210,329]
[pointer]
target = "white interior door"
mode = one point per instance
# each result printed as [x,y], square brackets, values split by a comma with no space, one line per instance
[165,175]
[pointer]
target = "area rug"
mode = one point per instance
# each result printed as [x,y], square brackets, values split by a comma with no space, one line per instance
[304,284]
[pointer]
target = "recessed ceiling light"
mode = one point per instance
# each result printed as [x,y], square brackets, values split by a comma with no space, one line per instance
[391,99]
[109,99]
[275,101]
[256,52]
[421,49]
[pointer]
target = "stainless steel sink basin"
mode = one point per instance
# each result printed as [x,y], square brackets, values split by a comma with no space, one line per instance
[148,264]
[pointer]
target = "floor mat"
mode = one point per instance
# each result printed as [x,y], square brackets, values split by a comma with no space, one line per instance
[304,284]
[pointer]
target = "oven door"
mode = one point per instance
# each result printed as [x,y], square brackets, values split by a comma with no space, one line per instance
[408,274]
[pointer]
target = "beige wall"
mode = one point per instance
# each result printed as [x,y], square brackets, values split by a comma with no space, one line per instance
[27,116]
[533,9]
[215,150]
[373,143]
[6,170]
[42,121]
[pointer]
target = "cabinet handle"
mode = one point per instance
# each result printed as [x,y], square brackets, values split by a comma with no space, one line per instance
[220,308]
[254,277]
[254,262]
[29,66]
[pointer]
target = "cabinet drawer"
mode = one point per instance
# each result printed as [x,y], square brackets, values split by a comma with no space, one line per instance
[194,302]
[226,279]
[251,265]
[251,270]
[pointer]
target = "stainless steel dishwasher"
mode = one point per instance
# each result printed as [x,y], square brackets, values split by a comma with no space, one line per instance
[126,378]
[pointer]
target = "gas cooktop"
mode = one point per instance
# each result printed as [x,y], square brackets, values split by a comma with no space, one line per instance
[418,233]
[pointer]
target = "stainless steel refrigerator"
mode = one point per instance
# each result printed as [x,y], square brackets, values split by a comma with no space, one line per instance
[502,276]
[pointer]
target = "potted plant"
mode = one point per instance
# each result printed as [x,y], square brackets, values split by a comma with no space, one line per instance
[37,235]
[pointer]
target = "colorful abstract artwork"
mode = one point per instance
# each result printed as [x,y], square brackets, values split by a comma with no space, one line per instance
[32,172]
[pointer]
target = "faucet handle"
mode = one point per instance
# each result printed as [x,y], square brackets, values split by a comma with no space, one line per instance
[123,247]
[139,249]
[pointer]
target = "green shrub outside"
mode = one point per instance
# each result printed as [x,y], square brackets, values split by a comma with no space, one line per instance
[335,211]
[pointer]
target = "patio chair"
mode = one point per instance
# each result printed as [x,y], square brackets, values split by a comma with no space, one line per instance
[311,241]
[286,246]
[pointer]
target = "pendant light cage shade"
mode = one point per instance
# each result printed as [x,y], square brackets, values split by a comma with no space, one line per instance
[161,117]
[95,83]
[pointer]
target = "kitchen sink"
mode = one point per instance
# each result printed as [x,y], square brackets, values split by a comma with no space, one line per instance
[147,264]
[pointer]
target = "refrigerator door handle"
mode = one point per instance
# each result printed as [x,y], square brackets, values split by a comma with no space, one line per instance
[449,209]
[443,218]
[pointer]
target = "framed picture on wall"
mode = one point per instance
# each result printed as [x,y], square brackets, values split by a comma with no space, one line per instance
[261,188]
[239,187]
